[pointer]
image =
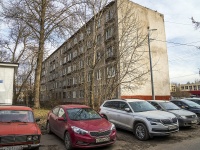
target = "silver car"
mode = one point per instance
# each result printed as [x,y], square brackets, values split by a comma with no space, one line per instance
[140,117]
[185,117]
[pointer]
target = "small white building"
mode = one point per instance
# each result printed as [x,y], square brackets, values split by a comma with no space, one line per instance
[7,71]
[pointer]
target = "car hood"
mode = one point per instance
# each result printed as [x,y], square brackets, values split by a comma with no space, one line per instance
[93,125]
[156,114]
[182,112]
[19,128]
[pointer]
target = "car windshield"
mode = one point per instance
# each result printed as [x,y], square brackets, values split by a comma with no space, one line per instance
[16,116]
[83,114]
[169,106]
[192,104]
[142,106]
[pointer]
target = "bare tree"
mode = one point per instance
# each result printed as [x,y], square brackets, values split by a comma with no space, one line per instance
[120,61]
[196,23]
[17,46]
[45,19]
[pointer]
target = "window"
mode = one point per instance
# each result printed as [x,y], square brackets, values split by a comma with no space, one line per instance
[69,57]
[74,53]
[156,105]
[98,74]
[74,94]
[198,87]
[69,82]
[182,87]
[88,60]
[186,87]
[109,15]
[68,45]
[81,64]
[64,94]
[69,70]
[99,39]
[75,41]
[81,94]
[64,60]
[81,50]
[123,105]
[109,33]
[69,95]
[99,23]
[74,81]
[74,67]
[190,87]
[89,44]
[55,111]
[195,87]
[88,30]
[61,113]
[98,57]
[110,52]
[112,104]
[89,77]
[81,36]
[110,71]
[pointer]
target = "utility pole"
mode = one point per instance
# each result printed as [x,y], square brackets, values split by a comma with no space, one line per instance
[150,61]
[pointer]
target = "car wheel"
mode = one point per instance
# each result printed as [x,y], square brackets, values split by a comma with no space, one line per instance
[67,140]
[48,128]
[141,132]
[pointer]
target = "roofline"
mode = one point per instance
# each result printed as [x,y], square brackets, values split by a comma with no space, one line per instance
[8,64]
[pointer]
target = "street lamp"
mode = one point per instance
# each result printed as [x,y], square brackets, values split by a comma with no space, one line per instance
[151,71]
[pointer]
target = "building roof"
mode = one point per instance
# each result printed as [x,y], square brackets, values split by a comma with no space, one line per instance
[8,64]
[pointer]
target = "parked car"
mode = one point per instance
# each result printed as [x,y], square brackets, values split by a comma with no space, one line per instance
[195,99]
[188,105]
[18,128]
[80,126]
[185,117]
[140,117]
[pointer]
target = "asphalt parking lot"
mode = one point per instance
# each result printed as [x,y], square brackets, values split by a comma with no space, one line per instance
[127,141]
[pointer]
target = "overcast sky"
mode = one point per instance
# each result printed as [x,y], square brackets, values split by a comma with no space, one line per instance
[184,58]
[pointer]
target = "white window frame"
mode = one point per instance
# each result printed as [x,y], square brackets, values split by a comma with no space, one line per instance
[111,72]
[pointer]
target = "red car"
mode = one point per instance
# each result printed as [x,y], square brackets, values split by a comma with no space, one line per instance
[80,126]
[18,129]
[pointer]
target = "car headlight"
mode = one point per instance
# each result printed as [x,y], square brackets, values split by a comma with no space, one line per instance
[35,137]
[29,138]
[79,130]
[184,117]
[113,126]
[153,120]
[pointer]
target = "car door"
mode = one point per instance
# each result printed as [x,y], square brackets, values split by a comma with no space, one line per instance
[111,111]
[61,124]
[124,118]
[52,118]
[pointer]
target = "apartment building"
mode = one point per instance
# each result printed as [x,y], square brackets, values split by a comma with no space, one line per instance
[108,58]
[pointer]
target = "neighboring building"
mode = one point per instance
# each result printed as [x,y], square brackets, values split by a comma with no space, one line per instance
[192,88]
[7,71]
[173,88]
[65,72]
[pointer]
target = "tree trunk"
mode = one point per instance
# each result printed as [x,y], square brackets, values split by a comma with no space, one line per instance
[40,57]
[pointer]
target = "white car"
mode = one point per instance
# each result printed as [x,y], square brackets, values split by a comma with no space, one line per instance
[140,117]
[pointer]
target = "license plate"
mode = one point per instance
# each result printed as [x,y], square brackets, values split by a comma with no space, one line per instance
[12,148]
[172,127]
[194,121]
[104,139]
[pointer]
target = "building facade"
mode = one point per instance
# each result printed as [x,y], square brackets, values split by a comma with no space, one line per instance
[108,58]
[192,88]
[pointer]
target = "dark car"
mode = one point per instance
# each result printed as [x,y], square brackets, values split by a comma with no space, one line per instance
[185,117]
[80,126]
[188,105]
[196,100]
[18,128]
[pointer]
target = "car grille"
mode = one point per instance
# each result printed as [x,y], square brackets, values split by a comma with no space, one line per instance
[169,121]
[192,116]
[100,133]
[12,139]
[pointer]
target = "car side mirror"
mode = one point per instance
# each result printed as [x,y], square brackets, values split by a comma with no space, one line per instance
[61,119]
[127,109]
[37,119]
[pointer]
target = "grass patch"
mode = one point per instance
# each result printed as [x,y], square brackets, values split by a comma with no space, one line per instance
[42,114]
